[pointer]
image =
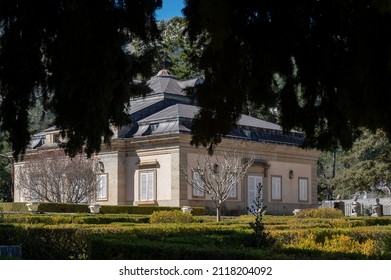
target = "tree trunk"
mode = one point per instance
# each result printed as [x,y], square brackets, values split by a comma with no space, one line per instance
[218,214]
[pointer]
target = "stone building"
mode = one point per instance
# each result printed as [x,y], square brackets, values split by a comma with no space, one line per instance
[143,164]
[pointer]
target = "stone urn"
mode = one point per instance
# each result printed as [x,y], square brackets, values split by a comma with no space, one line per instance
[32,206]
[94,208]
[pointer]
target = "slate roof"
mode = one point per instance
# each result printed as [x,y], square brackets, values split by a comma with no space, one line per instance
[178,118]
[37,140]
[174,111]
[167,109]
[165,82]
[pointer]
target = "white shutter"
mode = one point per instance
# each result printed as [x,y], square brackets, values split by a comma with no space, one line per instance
[252,183]
[276,188]
[303,189]
[234,187]
[143,186]
[102,186]
[150,185]
[197,183]
[233,191]
[147,185]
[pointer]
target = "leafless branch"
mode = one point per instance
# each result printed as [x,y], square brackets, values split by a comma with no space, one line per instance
[54,177]
[218,175]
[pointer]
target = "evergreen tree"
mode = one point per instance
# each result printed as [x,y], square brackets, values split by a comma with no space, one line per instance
[330,56]
[329,59]
[5,170]
[73,52]
[368,165]
[329,166]
[178,49]
[173,49]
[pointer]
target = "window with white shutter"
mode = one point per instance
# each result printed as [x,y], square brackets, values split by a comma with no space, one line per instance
[102,187]
[147,185]
[198,185]
[303,189]
[276,188]
[253,182]
[233,193]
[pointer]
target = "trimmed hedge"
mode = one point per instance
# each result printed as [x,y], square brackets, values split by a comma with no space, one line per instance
[124,236]
[43,243]
[46,207]
[14,206]
[143,249]
[75,219]
[172,216]
[83,208]
[329,213]
[315,254]
[144,210]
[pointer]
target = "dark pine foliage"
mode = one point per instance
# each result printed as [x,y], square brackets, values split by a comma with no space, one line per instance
[73,54]
[325,64]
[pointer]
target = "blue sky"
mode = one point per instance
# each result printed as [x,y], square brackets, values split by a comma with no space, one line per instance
[170,9]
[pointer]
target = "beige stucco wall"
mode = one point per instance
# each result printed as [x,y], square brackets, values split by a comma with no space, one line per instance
[166,166]
[275,160]
[17,195]
[110,161]
[289,187]
[173,152]
[131,164]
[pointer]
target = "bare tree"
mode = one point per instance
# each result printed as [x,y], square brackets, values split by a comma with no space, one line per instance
[218,176]
[54,177]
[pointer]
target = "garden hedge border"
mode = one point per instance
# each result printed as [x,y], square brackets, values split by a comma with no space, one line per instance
[83,208]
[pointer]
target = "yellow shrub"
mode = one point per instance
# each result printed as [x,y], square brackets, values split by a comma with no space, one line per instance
[336,243]
[175,216]
[330,213]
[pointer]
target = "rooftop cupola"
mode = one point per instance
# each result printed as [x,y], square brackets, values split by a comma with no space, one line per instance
[164,73]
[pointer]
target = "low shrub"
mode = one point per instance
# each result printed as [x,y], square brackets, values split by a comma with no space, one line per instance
[316,254]
[110,218]
[110,247]
[335,243]
[329,213]
[1,215]
[174,216]
[13,206]
[56,219]
[31,219]
[143,210]
[48,207]
[40,242]
[65,236]
[62,207]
